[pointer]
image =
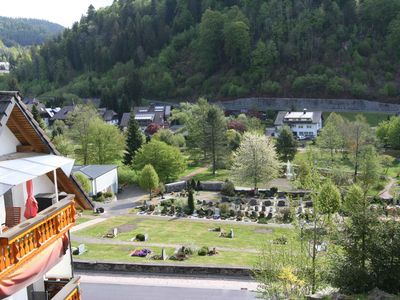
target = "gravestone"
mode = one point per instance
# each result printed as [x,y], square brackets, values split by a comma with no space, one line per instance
[231,234]
[99,210]
[146,237]
[263,208]
[80,250]
[281,203]
[253,202]
[224,199]
[163,254]
[267,203]
[256,208]
[309,204]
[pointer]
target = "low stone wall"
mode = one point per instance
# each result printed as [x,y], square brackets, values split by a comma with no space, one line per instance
[83,265]
[213,186]
[175,186]
[337,105]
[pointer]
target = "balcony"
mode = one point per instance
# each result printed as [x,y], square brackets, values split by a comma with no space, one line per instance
[31,237]
[70,291]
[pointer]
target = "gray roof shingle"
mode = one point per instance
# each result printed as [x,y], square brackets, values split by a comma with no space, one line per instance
[94,171]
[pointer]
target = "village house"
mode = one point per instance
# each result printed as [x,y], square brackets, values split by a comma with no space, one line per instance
[45,113]
[304,124]
[108,115]
[103,178]
[38,201]
[145,115]
[4,67]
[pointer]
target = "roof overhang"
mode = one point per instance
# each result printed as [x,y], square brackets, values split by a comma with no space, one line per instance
[19,170]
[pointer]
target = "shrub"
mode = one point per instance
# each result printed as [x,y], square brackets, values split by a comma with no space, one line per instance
[84,182]
[263,221]
[99,194]
[108,194]
[282,240]
[140,237]
[285,215]
[273,190]
[126,175]
[228,188]
[203,251]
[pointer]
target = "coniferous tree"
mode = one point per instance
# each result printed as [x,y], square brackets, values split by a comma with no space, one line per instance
[134,139]
[286,144]
[37,117]
[191,201]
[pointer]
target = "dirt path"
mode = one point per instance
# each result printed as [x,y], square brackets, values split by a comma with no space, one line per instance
[385,193]
[194,173]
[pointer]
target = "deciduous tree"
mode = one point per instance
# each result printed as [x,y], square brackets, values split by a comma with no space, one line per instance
[255,161]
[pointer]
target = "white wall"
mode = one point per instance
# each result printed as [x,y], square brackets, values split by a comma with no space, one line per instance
[103,182]
[2,211]
[9,142]
[20,295]
[63,269]
[41,184]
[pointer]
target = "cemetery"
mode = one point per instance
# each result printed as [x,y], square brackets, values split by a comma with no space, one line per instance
[240,204]
[148,239]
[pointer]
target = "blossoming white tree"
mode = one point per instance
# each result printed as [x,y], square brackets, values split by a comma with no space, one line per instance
[255,161]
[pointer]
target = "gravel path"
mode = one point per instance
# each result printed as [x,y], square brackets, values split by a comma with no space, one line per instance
[385,193]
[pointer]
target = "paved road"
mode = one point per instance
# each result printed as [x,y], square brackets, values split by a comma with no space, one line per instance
[106,285]
[95,291]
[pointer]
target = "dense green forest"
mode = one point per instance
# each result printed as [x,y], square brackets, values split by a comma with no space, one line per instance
[27,32]
[182,49]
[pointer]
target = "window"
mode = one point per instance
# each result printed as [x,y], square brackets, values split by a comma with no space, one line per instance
[309,126]
[300,126]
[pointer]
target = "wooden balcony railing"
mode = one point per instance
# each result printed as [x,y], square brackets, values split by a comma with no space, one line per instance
[25,240]
[70,291]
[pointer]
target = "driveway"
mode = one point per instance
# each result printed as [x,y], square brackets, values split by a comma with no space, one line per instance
[128,199]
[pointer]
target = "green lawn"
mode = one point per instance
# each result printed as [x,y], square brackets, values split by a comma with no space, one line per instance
[221,175]
[81,220]
[121,253]
[170,233]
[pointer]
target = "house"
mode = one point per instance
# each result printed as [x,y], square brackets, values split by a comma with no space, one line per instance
[103,178]
[146,115]
[45,113]
[108,115]
[63,113]
[303,124]
[35,251]
[4,67]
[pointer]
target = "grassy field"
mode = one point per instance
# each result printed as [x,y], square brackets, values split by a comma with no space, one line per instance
[121,253]
[221,175]
[373,119]
[172,233]
[81,220]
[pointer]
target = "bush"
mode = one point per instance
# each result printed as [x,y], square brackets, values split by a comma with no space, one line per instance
[273,190]
[263,221]
[228,188]
[126,175]
[203,251]
[84,182]
[140,237]
[108,195]
[285,215]
[282,240]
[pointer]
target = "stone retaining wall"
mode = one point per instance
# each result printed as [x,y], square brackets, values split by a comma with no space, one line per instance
[338,105]
[83,265]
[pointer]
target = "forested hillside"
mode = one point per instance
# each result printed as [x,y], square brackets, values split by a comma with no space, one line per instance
[180,49]
[26,32]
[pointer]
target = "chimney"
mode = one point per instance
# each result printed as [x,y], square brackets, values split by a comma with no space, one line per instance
[304,111]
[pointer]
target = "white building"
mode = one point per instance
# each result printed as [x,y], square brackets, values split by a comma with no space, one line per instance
[35,253]
[103,178]
[4,67]
[303,124]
